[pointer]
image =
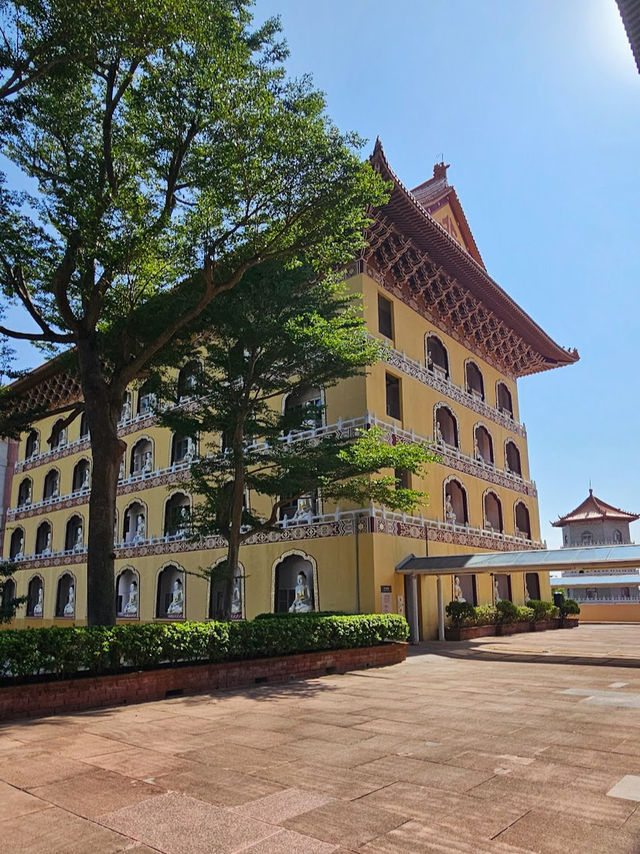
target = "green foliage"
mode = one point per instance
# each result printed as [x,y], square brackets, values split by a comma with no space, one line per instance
[507,611]
[486,615]
[525,614]
[8,602]
[285,615]
[543,610]
[569,606]
[461,613]
[62,652]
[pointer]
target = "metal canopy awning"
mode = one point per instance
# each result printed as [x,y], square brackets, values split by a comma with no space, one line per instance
[548,560]
[621,580]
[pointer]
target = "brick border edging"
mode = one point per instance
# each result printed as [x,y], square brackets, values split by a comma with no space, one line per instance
[72,695]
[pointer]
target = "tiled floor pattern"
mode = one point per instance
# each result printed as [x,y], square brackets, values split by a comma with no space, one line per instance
[523,744]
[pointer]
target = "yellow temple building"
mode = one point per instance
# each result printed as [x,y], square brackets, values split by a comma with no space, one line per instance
[457,344]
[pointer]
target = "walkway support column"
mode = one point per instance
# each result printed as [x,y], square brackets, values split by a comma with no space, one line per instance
[415,617]
[440,609]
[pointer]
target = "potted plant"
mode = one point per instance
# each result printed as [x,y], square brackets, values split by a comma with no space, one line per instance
[569,611]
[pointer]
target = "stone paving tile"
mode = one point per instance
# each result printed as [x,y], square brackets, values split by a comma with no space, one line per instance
[15,802]
[345,783]
[56,831]
[347,824]
[81,745]
[177,824]
[557,834]
[28,767]
[280,806]
[97,792]
[218,786]
[418,837]
[137,762]
[402,768]
[236,757]
[288,842]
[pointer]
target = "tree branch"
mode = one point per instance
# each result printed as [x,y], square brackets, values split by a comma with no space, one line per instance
[53,338]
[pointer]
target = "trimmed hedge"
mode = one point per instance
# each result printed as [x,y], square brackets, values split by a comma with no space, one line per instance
[543,610]
[59,652]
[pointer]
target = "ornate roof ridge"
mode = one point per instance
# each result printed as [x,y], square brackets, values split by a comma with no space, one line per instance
[594,507]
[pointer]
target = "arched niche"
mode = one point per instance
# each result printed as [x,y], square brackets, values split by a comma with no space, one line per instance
[492,511]
[311,401]
[512,457]
[126,412]
[84,426]
[532,586]
[504,399]
[502,587]
[142,456]
[436,356]
[135,523]
[146,400]
[35,597]
[474,379]
[286,589]
[74,534]
[522,520]
[16,544]
[44,537]
[32,444]
[177,512]
[81,476]
[482,444]
[24,492]
[51,486]
[456,510]
[217,588]
[8,593]
[183,448]
[58,435]
[445,426]
[128,594]
[188,379]
[66,596]
[170,596]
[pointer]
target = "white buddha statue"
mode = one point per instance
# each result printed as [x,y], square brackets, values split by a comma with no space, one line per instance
[78,544]
[37,608]
[62,438]
[20,551]
[236,598]
[191,450]
[131,608]
[125,414]
[141,528]
[176,604]
[147,465]
[496,590]
[121,472]
[302,602]
[47,545]
[439,438]
[85,479]
[449,512]
[457,590]
[70,607]
[36,446]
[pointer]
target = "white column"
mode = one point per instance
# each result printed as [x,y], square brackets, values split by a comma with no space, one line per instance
[440,609]
[415,617]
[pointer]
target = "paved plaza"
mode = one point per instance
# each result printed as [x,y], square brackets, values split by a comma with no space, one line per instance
[506,745]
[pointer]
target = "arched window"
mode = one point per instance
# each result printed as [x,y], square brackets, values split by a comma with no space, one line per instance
[127,594]
[84,426]
[503,396]
[43,539]
[492,512]
[587,538]
[170,596]
[32,445]
[134,529]
[146,400]
[437,357]
[176,515]
[446,427]
[455,503]
[66,596]
[523,524]
[16,544]
[216,594]
[182,448]
[58,435]
[308,400]
[24,492]
[475,383]
[142,457]
[294,588]
[126,412]
[51,485]
[35,597]
[8,594]
[483,444]
[512,458]
[81,476]
[300,510]
[74,534]
[188,379]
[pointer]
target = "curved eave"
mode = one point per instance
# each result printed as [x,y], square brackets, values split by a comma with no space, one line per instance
[429,236]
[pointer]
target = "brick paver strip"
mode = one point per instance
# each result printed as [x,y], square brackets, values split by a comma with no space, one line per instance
[496,746]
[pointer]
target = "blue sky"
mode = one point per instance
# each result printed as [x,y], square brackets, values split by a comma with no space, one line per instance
[536,106]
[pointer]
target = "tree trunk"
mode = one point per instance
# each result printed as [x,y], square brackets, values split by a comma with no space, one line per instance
[102,412]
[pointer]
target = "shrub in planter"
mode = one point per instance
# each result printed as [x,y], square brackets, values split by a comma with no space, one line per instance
[543,610]
[569,607]
[485,615]
[461,614]
[507,611]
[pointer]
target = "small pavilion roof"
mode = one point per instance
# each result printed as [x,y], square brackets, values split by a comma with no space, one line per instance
[593,509]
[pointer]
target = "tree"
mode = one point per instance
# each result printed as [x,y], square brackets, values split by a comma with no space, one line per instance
[166,155]
[9,602]
[280,332]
